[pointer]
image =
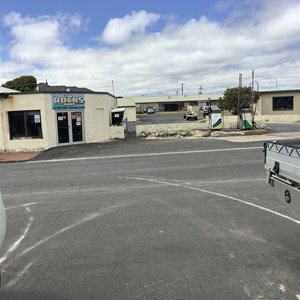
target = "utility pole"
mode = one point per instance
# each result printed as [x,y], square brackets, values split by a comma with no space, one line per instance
[113,87]
[252,100]
[252,92]
[182,88]
[239,100]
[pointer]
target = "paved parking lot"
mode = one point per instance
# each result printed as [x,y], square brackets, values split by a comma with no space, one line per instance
[149,219]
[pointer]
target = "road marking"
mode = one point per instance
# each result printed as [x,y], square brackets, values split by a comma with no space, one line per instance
[73,190]
[23,205]
[16,244]
[282,288]
[90,217]
[217,194]
[298,296]
[20,274]
[143,155]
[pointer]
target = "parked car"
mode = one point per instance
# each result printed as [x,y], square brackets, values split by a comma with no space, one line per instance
[207,111]
[191,116]
[149,110]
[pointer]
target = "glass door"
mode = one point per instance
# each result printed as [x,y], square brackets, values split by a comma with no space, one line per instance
[63,127]
[76,118]
[69,127]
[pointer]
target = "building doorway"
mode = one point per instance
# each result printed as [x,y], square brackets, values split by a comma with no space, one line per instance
[69,127]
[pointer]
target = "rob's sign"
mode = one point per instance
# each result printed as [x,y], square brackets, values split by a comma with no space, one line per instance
[68,101]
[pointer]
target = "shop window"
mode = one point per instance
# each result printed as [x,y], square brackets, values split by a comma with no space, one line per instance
[25,124]
[283,103]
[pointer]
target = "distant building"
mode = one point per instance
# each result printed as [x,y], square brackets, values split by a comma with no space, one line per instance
[284,102]
[171,103]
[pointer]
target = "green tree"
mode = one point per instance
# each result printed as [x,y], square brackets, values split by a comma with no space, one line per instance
[22,84]
[230,99]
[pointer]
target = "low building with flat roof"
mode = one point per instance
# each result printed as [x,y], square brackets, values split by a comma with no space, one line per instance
[55,115]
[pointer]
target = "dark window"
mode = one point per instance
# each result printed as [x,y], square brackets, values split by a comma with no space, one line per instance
[25,124]
[283,103]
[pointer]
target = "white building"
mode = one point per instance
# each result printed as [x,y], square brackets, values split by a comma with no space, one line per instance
[54,116]
[171,103]
[283,102]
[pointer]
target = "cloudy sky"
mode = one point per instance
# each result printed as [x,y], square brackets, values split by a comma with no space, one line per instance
[152,46]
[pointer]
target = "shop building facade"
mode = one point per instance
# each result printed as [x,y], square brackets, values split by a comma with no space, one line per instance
[41,120]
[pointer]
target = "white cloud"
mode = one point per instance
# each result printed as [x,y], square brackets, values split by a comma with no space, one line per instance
[120,30]
[35,38]
[198,52]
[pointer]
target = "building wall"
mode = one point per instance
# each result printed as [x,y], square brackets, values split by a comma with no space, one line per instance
[130,108]
[164,103]
[25,103]
[96,120]
[116,132]
[174,98]
[265,103]
[130,114]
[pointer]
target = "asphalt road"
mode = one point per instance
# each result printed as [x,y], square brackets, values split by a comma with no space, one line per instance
[283,127]
[142,219]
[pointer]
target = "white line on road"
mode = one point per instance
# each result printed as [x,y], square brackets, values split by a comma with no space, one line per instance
[20,274]
[73,190]
[298,296]
[23,205]
[282,288]
[217,194]
[16,244]
[143,155]
[90,217]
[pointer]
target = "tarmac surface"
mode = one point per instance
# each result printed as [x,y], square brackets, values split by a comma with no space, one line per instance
[96,149]
[147,219]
